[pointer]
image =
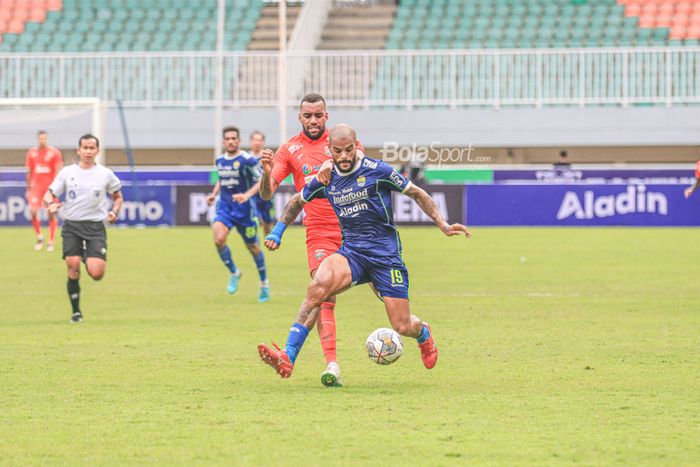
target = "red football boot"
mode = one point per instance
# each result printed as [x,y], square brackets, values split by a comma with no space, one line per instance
[277,359]
[429,351]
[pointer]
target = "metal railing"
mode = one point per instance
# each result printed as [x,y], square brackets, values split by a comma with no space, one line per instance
[365,79]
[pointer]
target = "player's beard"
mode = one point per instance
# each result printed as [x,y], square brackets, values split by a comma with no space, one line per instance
[320,133]
[353,162]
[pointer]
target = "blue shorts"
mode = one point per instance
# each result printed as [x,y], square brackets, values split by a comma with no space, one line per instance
[247,227]
[266,209]
[387,274]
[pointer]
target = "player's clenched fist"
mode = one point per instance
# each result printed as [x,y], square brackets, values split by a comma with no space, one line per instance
[324,173]
[272,243]
[266,160]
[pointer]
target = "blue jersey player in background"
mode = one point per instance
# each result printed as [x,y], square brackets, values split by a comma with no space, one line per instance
[360,194]
[266,210]
[239,180]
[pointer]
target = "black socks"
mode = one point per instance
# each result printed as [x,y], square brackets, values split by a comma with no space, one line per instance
[74,294]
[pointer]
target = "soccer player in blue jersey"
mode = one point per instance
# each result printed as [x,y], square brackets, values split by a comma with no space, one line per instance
[239,180]
[266,210]
[360,194]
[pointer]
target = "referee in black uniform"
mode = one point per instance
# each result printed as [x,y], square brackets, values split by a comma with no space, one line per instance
[84,187]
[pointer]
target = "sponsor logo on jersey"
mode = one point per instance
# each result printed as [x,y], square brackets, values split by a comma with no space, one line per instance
[236,165]
[352,211]
[306,169]
[351,197]
[361,180]
[368,163]
[396,178]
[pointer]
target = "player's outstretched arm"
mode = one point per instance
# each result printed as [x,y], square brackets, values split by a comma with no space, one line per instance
[429,207]
[268,185]
[290,212]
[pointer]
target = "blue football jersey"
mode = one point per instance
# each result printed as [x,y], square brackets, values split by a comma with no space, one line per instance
[362,201]
[237,175]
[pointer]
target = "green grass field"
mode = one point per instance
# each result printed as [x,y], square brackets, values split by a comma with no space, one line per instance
[557,346]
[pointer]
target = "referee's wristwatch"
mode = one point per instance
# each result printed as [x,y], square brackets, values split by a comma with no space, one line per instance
[116,213]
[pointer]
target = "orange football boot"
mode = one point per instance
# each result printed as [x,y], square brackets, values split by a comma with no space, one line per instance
[277,359]
[428,350]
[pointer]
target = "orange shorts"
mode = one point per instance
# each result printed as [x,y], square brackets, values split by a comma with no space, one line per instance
[36,195]
[321,243]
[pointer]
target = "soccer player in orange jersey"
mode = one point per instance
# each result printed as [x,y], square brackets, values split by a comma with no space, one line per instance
[689,191]
[302,156]
[43,163]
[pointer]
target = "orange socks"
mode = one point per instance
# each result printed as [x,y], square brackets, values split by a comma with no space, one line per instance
[36,223]
[326,330]
[53,224]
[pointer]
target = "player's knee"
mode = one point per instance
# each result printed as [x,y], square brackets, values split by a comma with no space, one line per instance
[220,242]
[318,290]
[253,248]
[402,326]
[96,275]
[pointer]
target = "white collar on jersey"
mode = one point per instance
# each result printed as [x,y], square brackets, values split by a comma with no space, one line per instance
[226,156]
[358,163]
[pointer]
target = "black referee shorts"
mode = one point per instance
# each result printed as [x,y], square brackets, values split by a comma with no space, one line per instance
[89,237]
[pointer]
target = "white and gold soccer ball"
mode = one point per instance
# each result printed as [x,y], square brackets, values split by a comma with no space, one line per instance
[384,346]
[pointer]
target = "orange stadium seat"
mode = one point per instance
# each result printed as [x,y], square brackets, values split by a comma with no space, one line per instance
[38,15]
[15,27]
[54,5]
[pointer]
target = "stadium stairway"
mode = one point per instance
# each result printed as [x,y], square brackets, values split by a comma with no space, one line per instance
[266,34]
[357,26]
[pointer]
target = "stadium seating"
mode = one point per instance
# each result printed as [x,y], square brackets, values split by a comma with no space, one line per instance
[450,24]
[122,25]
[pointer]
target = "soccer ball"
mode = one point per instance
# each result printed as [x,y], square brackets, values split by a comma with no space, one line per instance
[384,346]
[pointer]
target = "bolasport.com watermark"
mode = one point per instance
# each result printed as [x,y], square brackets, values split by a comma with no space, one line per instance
[434,154]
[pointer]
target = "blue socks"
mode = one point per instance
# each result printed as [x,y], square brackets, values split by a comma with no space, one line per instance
[225,255]
[424,334]
[260,263]
[296,338]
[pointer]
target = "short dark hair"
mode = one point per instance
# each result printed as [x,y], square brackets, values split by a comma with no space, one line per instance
[312,99]
[42,132]
[257,132]
[230,128]
[88,136]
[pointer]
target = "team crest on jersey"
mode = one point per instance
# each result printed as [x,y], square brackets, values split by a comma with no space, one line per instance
[319,254]
[328,151]
[294,148]
[236,165]
[361,181]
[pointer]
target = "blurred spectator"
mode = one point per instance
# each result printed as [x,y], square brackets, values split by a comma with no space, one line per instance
[563,162]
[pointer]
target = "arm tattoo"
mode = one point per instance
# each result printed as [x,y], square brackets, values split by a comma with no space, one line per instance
[427,204]
[292,209]
[266,188]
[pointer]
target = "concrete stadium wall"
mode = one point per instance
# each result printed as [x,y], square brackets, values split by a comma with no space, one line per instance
[636,134]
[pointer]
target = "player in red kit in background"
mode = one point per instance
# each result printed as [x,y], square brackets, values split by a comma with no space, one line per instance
[689,191]
[302,156]
[43,163]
